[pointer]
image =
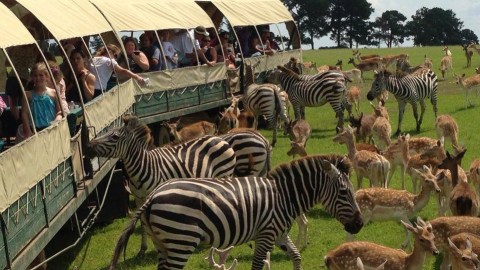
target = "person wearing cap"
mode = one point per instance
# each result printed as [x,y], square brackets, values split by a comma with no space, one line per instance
[198,34]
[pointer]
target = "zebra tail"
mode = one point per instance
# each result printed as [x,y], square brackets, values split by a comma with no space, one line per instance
[123,240]
[279,105]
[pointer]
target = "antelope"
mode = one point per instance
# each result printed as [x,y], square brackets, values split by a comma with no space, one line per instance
[381,131]
[446,62]
[364,124]
[463,200]
[398,205]
[446,126]
[387,60]
[354,75]
[468,54]
[464,248]
[357,54]
[192,131]
[309,66]
[372,255]
[398,155]
[445,227]
[246,119]
[475,175]
[468,84]
[353,97]
[365,163]
[234,106]
[431,158]
[299,131]
[227,122]
[222,257]
[361,267]
[427,62]
[364,66]
[419,145]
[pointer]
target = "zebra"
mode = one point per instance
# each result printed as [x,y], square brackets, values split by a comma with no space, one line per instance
[328,87]
[252,149]
[208,156]
[411,88]
[222,212]
[263,99]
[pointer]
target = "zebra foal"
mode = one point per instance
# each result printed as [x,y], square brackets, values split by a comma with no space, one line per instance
[184,214]
[411,88]
[304,92]
[207,156]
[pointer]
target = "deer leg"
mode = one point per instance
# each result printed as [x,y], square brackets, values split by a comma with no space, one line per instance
[359,181]
[401,111]
[390,174]
[402,176]
[302,223]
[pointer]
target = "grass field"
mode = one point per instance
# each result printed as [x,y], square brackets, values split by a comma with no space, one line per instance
[325,233]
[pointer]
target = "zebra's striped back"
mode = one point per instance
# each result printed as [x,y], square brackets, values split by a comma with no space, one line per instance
[208,156]
[232,211]
[252,152]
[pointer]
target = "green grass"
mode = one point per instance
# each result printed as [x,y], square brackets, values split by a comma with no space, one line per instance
[325,233]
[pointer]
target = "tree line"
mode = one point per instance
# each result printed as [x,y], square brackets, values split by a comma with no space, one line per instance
[347,23]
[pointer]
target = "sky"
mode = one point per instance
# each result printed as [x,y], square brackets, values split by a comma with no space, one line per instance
[467,11]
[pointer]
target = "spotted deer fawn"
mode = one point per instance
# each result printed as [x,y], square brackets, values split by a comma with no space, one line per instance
[427,62]
[445,227]
[446,62]
[464,250]
[468,84]
[398,154]
[353,97]
[431,158]
[372,255]
[398,205]
[446,127]
[367,164]
[475,175]
[299,131]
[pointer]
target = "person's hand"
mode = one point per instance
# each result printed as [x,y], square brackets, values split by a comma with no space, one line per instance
[141,81]
[210,63]
[84,75]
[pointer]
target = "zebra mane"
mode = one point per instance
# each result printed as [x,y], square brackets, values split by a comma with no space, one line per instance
[342,163]
[289,72]
[132,123]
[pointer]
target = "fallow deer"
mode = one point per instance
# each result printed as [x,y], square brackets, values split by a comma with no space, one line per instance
[431,158]
[354,75]
[372,255]
[468,54]
[469,84]
[309,66]
[463,199]
[398,154]
[447,127]
[398,205]
[365,65]
[475,175]
[246,119]
[382,131]
[446,62]
[227,122]
[353,97]
[427,62]
[299,131]
[445,227]
[464,250]
[367,164]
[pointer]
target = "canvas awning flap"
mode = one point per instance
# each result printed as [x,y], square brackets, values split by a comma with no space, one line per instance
[67,18]
[153,14]
[253,12]
[12,31]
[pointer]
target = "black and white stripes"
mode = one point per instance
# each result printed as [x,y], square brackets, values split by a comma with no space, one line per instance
[411,88]
[184,214]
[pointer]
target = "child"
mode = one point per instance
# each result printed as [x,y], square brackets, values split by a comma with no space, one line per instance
[170,52]
[43,104]
[61,86]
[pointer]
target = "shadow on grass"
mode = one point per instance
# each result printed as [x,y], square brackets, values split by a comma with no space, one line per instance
[149,259]
[322,133]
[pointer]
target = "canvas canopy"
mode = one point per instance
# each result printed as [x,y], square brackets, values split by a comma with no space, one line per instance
[127,15]
[253,12]
[72,18]
[12,31]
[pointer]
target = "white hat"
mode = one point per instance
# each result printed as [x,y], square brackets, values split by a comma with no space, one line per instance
[201,31]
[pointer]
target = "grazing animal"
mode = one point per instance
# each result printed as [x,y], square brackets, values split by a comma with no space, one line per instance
[364,124]
[446,126]
[264,99]
[227,122]
[354,75]
[248,208]
[408,89]
[446,62]
[445,227]
[463,199]
[207,156]
[381,131]
[252,152]
[403,66]
[464,250]
[344,256]
[367,65]
[427,62]
[398,154]
[192,131]
[431,158]
[329,87]
[475,175]
[246,119]
[299,132]
[398,205]
[353,97]
[468,54]
[367,164]
[358,55]
[469,84]
[309,66]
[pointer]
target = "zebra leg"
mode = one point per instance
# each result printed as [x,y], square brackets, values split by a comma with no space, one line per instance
[422,112]
[274,139]
[286,244]
[415,115]
[401,110]
[143,244]
[302,223]
[263,244]
[302,112]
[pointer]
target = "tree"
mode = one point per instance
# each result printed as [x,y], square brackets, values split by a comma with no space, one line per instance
[310,16]
[349,21]
[435,26]
[468,36]
[391,27]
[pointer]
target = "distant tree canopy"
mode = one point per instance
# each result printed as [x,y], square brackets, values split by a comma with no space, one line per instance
[347,23]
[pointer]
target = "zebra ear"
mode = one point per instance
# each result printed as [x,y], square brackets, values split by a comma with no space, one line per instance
[128,118]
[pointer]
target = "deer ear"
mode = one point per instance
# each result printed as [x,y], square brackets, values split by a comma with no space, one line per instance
[453,247]
[359,263]
[409,227]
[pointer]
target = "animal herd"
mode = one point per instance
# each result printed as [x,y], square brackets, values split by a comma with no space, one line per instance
[213,187]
